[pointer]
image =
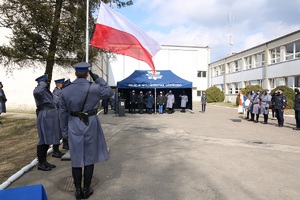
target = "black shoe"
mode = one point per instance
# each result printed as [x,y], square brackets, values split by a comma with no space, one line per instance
[65,146]
[57,154]
[280,125]
[87,192]
[255,121]
[43,167]
[247,118]
[250,120]
[78,194]
[50,165]
[264,122]
[296,129]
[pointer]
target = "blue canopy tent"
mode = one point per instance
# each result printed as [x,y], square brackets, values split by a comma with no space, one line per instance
[163,80]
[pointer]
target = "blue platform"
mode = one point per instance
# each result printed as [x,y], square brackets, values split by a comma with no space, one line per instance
[34,192]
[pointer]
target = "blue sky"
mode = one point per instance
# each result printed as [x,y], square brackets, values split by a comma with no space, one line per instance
[215,23]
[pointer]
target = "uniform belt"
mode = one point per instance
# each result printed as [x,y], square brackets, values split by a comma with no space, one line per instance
[47,106]
[88,113]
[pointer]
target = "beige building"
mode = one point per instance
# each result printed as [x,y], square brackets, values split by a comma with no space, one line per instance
[271,64]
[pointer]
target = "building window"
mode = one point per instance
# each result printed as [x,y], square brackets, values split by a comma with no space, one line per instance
[275,55]
[289,51]
[297,49]
[248,62]
[199,93]
[259,60]
[201,74]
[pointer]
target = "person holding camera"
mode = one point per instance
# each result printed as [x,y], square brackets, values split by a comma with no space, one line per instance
[81,125]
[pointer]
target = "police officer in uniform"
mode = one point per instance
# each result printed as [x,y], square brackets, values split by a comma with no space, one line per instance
[133,102]
[280,102]
[140,101]
[79,121]
[251,96]
[256,106]
[297,109]
[65,139]
[265,105]
[56,96]
[47,121]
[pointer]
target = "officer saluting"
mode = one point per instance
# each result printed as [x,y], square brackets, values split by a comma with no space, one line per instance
[47,121]
[280,101]
[56,96]
[80,123]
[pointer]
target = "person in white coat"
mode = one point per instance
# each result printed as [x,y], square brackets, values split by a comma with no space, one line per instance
[184,100]
[170,102]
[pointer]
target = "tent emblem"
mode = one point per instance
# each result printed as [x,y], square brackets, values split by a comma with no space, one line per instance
[155,76]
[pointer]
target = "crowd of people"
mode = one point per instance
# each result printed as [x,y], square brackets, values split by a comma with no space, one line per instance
[164,102]
[261,103]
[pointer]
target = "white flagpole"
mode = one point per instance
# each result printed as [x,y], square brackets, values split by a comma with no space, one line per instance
[87,33]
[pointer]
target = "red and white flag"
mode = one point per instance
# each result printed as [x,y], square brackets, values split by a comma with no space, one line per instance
[115,33]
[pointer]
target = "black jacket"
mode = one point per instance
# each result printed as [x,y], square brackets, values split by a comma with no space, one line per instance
[297,101]
[280,101]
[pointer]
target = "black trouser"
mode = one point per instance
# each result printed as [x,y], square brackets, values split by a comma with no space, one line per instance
[105,109]
[297,117]
[203,107]
[266,116]
[132,107]
[257,116]
[273,111]
[279,115]
[141,107]
[55,147]
[87,175]
[252,116]
[41,152]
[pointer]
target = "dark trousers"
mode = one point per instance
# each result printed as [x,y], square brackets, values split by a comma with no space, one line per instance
[141,107]
[279,115]
[41,152]
[297,117]
[203,107]
[273,111]
[105,109]
[87,175]
[132,107]
[266,116]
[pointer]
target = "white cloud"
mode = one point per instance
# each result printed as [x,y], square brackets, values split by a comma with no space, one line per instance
[205,22]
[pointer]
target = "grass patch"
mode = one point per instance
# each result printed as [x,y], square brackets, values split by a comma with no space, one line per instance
[22,111]
[18,140]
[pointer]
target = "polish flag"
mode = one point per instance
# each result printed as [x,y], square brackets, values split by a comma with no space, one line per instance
[115,33]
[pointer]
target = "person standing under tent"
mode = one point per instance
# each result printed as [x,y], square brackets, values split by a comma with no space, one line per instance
[170,102]
[160,101]
[184,100]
